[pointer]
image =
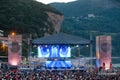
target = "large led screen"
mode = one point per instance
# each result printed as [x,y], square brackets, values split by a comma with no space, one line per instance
[58,64]
[54,51]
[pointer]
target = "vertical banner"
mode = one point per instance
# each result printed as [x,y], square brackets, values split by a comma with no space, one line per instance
[14,49]
[103,51]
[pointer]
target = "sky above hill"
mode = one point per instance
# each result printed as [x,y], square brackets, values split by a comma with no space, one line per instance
[51,1]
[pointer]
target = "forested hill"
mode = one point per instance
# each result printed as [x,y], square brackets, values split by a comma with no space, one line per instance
[96,17]
[26,16]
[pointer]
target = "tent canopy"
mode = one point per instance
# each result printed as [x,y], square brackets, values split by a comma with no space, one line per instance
[61,38]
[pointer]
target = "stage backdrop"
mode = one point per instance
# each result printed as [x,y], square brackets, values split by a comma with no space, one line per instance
[103,51]
[14,49]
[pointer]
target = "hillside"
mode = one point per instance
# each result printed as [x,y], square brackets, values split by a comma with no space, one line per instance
[28,17]
[96,17]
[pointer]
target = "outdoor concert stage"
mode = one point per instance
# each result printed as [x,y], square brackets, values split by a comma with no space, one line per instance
[56,49]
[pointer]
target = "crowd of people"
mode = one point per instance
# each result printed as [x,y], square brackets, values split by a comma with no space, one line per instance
[89,74]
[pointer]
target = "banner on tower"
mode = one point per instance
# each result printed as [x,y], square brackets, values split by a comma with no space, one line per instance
[14,49]
[103,51]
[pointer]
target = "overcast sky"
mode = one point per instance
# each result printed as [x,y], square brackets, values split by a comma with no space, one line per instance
[50,1]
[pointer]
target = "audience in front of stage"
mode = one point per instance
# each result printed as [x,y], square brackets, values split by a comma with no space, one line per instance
[59,74]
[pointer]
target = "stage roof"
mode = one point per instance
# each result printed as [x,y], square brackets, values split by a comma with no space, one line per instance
[61,38]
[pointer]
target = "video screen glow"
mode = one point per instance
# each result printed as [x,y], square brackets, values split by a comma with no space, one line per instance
[58,64]
[54,51]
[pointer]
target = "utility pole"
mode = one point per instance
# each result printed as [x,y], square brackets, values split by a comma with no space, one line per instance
[91,49]
[29,49]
